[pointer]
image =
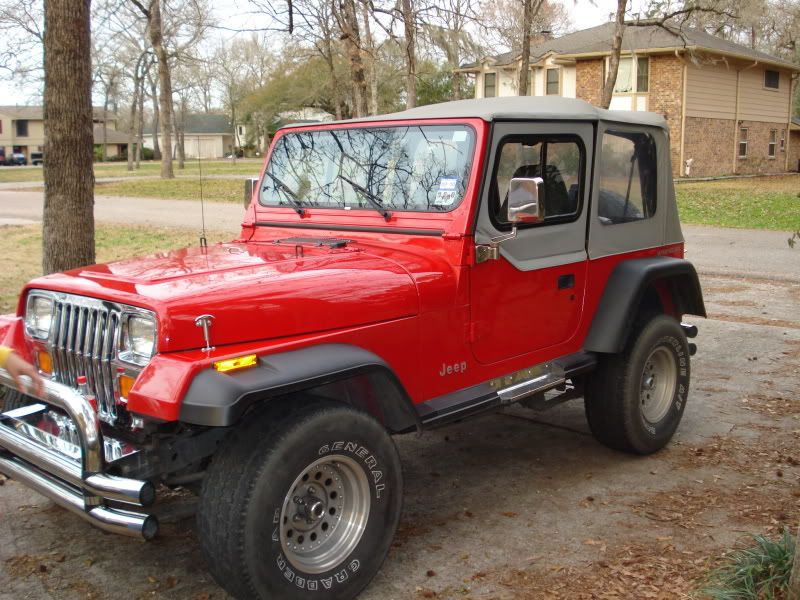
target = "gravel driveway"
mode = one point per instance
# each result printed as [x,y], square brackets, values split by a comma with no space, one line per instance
[522,504]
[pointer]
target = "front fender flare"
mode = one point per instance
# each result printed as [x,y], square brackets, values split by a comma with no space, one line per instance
[220,399]
[625,289]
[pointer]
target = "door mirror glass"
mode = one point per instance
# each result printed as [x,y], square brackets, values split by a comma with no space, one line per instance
[523,200]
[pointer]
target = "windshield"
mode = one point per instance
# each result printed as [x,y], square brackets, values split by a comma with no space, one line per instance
[406,168]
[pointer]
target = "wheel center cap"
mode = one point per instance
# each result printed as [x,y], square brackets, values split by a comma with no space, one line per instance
[310,508]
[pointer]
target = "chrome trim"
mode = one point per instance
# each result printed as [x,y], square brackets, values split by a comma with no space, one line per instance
[86,339]
[80,485]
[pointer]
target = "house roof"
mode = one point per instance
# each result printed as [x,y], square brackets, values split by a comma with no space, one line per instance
[650,38]
[518,108]
[202,124]
[36,113]
[112,136]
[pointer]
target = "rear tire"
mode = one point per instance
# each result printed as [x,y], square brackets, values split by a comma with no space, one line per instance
[301,502]
[635,400]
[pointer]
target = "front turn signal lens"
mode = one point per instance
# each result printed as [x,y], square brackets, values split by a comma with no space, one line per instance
[125,385]
[234,364]
[45,362]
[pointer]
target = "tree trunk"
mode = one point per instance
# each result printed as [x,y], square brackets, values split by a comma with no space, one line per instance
[68,228]
[410,31]
[349,24]
[337,101]
[140,133]
[156,120]
[794,577]
[179,137]
[104,150]
[132,128]
[525,55]
[371,73]
[616,48]
[165,85]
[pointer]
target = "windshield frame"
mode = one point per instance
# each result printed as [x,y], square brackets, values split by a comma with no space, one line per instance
[473,162]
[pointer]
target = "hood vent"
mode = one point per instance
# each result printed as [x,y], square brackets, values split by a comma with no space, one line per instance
[319,242]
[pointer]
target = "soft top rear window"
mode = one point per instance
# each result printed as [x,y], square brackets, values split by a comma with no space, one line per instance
[400,168]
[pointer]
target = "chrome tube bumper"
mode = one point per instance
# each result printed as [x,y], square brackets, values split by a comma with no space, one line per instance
[81,487]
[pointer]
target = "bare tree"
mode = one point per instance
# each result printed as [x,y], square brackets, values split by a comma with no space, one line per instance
[616,48]
[346,17]
[68,228]
[447,29]
[410,48]
[152,12]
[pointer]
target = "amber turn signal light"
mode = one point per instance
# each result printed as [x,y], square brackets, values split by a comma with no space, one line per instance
[45,362]
[234,364]
[125,385]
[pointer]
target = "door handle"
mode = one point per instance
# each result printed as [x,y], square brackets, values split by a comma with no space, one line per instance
[566,281]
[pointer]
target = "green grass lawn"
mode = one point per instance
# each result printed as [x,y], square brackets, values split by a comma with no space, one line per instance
[214,190]
[754,203]
[244,167]
[21,248]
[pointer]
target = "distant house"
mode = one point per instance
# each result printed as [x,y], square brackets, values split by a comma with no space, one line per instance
[205,136]
[728,106]
[22,130]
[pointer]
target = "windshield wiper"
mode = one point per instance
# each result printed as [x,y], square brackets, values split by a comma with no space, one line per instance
[291,194]
[372,198]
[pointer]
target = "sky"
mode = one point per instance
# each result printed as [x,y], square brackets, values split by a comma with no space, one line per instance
[583,14]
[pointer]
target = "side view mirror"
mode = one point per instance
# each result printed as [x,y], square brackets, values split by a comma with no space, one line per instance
[523,200]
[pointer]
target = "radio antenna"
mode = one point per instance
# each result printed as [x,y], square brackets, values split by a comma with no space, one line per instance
[203,240]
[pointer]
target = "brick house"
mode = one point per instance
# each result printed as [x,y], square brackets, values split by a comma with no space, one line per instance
[22,131]
[729,107]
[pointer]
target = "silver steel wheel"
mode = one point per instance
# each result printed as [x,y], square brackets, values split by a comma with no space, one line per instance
[325,513]
[658,384]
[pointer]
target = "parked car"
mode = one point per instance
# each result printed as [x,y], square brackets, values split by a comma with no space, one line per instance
[17,159]
[392,275]
[37,159]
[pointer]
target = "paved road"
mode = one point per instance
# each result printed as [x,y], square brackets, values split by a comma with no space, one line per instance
[714,251]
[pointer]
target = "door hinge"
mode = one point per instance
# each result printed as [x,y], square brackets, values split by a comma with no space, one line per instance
[484,252]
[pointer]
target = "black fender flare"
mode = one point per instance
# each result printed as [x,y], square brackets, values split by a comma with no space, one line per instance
[217,399]
[625,289]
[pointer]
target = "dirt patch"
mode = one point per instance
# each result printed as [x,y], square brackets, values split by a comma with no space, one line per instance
[736,303]
[754,320]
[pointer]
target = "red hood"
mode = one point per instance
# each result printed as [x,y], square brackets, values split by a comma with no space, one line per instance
[254,291]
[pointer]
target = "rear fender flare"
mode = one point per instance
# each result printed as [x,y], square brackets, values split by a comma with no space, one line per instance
[625,290]
[339,371]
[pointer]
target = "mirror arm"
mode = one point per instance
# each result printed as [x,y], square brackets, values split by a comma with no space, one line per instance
[491,251]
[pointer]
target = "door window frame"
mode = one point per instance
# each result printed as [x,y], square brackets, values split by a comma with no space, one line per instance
[493,195]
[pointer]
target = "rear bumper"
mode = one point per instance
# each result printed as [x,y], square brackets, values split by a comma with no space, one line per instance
[79,485]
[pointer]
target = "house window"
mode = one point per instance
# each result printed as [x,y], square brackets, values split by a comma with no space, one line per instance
[743,142]
[241,130]
[624,83]
[530,83]
[772,80]
[783,140]
[22,128]
[1,127]
[489,85]
[632,75]
[773,143]
[553,82]
[642,74]
[627,177]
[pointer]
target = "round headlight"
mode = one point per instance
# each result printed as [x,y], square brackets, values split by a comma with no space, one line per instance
[39,316]
[139,339]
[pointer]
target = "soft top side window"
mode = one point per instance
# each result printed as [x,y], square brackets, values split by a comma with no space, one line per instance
[558,160]
[628,181]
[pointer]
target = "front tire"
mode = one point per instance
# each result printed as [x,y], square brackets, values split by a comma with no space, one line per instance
[299,502]
[635,400]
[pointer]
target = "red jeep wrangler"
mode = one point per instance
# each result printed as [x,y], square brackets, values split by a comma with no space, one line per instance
[392,274]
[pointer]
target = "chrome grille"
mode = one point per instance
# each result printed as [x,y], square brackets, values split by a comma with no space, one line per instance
[83,341]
